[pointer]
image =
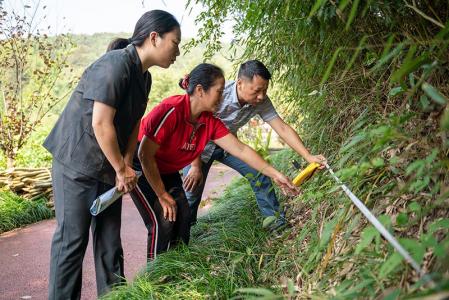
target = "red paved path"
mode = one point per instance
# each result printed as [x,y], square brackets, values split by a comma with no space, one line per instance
[25,252]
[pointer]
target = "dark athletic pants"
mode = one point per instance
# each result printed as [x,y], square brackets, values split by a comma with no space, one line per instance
[74,194]
[162,234]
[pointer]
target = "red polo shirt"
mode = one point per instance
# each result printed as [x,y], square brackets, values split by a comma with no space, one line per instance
[180,141]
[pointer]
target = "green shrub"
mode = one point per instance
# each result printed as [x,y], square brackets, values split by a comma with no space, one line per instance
[16,211]
[33,154]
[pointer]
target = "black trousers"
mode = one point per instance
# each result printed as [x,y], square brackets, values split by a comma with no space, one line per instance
[162,234]
[74,194]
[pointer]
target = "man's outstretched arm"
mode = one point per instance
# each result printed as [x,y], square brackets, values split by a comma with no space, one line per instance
[291,137]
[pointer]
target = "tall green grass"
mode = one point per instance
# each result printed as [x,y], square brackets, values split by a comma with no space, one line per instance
[231,256]
[16,211]
[225,253]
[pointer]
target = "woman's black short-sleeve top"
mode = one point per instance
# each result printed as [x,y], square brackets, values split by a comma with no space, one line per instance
[115,79]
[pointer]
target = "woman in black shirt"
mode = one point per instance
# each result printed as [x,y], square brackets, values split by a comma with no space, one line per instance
[93,143]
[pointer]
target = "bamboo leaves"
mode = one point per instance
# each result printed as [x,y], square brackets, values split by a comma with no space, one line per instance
[409,65]
[343,4]
[367,236]
[390,264]
[330,65]
[445,119]
[352,14]
[434,94]
[318,4]
[354,56]
[388,56]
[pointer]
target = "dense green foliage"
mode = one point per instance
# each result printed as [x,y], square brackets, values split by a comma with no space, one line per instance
[16,211]
[369,79]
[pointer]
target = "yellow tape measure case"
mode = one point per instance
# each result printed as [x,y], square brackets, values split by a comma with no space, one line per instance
[305,174]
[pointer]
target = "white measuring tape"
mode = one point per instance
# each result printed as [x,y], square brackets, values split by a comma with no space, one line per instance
[385,233]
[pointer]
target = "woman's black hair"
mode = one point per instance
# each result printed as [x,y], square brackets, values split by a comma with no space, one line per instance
[204,74]
[154,20]
[252,68]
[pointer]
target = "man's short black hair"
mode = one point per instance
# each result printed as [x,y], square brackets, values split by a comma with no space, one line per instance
[252,68]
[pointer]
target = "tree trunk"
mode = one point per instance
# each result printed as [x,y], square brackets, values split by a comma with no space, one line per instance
[11,161]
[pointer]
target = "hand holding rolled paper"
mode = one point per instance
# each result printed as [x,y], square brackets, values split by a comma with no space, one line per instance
[106,199]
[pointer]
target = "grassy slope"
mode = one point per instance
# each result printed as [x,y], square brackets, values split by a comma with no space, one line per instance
[231,256]
[224,254]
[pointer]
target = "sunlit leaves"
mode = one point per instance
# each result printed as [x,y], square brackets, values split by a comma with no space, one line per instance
[410,65]
[268,221]
[445,119]
[396,91]
[367,236]
[352,14]
[316,6]
[388,56]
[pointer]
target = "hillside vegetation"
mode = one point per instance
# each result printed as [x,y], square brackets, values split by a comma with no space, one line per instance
[365,82]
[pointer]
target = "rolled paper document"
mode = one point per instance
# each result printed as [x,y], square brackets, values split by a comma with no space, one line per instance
[106,199]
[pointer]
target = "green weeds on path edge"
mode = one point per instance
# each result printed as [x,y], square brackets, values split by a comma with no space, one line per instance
[16,211]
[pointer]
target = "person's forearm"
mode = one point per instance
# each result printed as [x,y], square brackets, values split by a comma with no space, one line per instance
[253,159]
[107,140]
[232,145]
[236,148]
[151,172]
[131,146]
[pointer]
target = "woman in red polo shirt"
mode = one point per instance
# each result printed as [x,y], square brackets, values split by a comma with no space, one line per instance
[171,136]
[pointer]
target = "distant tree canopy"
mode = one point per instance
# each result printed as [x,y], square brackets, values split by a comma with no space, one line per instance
[86,49]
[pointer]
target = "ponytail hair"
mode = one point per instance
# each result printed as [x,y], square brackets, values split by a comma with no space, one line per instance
[118,43]
[154,20]
[203,74]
